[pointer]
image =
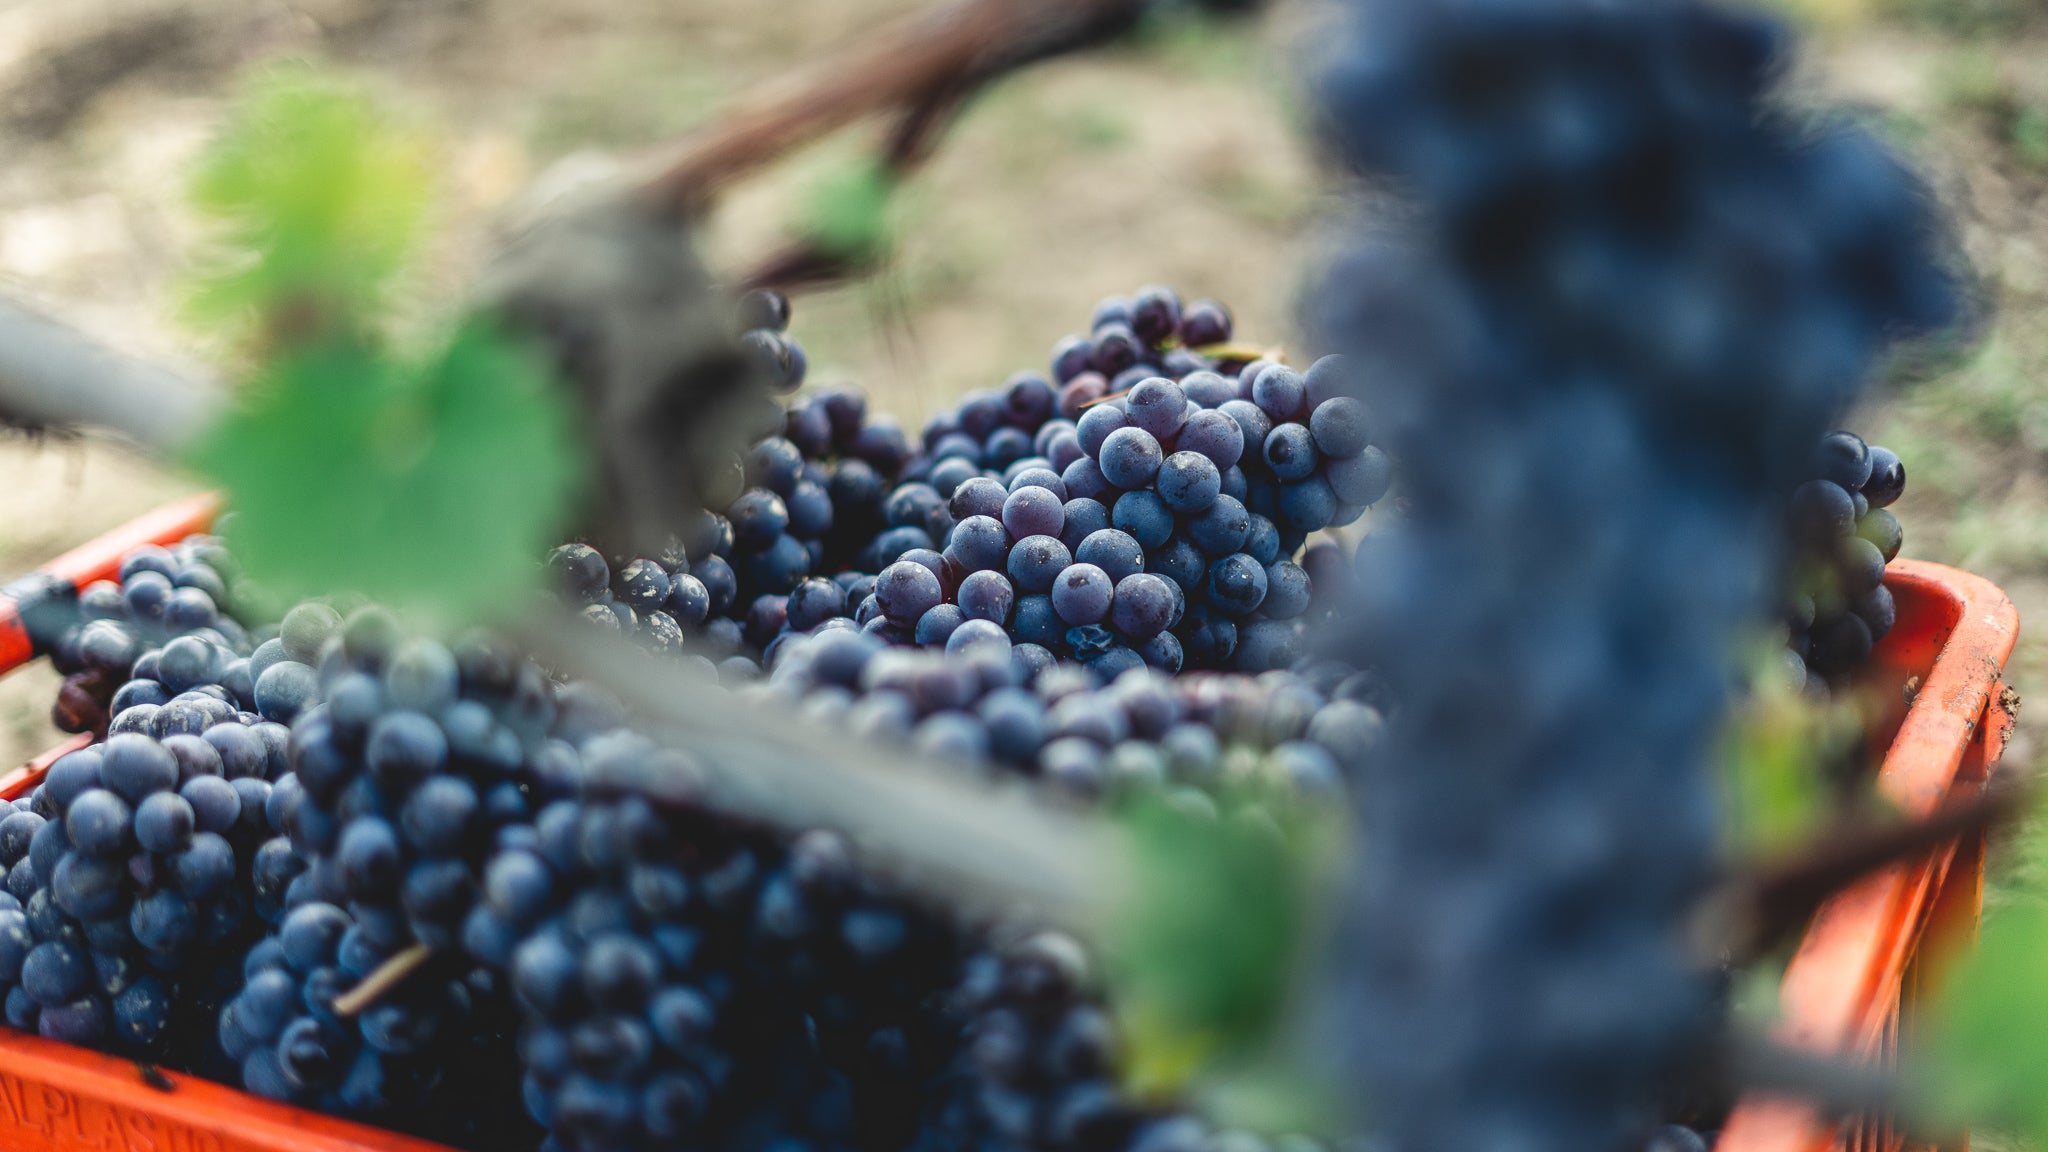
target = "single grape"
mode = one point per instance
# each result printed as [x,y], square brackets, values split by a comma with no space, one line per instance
[1129,458]
[1887,480]
[1156,405]
[1188,483]
[1034,563]
[983,595]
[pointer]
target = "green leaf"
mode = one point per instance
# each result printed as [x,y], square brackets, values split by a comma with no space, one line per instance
[315,200]
[1988,1032]
[431,486]
[1204,954]
[847,214]
[1772,754]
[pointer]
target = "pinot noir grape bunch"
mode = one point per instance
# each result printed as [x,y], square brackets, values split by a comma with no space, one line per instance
[1630,298]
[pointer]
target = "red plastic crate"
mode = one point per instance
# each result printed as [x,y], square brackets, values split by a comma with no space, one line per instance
[1846,991]
[1851,984]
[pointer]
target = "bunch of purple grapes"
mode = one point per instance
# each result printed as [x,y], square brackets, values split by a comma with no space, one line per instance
[1149,510]
[1843,534]
[260,835]
[975,704]
[96,636]
[1629,299]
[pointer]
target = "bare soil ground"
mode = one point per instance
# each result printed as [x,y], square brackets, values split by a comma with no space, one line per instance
[1179,159]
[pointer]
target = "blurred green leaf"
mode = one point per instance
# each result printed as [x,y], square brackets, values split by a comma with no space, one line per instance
[317,201]
[1773,753]
[847,213]
[1988,1034]
[2030,135]
[432,482]
[1203,959]
[433,486]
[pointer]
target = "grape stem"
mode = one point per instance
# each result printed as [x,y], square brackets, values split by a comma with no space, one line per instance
[382,980]
[1839,1087]
[1755,910]
[958,842]
[951,49]
[54,376]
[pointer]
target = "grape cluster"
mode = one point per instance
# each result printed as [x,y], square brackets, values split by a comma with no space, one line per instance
[1145,509]
[688,979]
[419,1059]
[1843,535]
[1148,510]
[976,703]
[140,862]
[1629,300]
[408,761]
[117,631]
[238,855]
[146,851]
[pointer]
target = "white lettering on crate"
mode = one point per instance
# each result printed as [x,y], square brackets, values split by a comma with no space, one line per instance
[68,1120]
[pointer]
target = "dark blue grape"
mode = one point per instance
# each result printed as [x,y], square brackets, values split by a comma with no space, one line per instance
[1208,638]
[1081,594]
[1179,561]
[812,602]
[979,496]
[1189,483]
[986,595]
[19,828]
[1221,529]
[1339,427]
[936,626]
[1144,517]
[1129,458]
[145,594]
[1033,511]
[643,585]
[438,814]
[1039,477]
[55,973]
[370,858]
[1280,393]
[109,647]
[905,591]
[1887,480]
[1143,606]
[1114,348]
[164,922]
[1081,517]
[404,748]
[87,888]
[1035,622]
[136,692]
[1156,405]
[1362,479]
[164,823]
[1287,591]
[1034,562]
[284,689]
[205,869]
[1842,458]
[1822,512]
[190,609]
[1084,480]
[1290,451]
[97,824]
[1307,506]
[1215,435]
[1203,323]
